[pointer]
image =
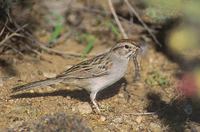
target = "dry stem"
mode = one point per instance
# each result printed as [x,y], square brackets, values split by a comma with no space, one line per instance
[117,19]
[142,22]
[9,36]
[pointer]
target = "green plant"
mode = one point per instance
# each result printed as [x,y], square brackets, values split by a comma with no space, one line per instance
[89,39]
[156,78]
[57,28]
[113,28]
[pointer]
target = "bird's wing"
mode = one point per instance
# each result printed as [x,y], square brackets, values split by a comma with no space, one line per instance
[95,67]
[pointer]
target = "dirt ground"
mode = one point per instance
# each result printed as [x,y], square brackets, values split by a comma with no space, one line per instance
[120,111]
[150,104]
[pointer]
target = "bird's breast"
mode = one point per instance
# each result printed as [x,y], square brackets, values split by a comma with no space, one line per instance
[117,71]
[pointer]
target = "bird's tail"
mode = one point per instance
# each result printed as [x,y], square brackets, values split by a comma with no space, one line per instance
[37,84]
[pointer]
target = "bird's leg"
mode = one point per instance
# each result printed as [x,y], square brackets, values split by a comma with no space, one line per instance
[92,98]
[126,93]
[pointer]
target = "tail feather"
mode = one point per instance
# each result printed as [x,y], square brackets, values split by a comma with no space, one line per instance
[37,84]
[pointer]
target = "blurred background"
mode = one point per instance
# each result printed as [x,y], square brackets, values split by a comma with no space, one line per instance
[38,39]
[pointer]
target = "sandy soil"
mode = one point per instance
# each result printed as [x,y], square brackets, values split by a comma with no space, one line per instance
[120,111]
[150,104]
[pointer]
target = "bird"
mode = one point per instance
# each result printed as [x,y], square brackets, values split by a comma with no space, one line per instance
[94,74]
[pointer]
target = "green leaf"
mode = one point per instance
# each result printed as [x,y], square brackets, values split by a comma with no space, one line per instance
[157,79]
[90,44]
[113,28]
[57,29]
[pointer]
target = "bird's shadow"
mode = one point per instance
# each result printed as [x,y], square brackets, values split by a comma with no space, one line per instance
[8,68]
[172,113]
[79,94]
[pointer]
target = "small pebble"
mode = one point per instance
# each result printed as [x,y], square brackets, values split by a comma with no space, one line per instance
[155,127]
[31,91]
[121,95]
[49,74]
[73,109]
[118,120]
[84,108]
[139,119]
[102,118]
[68,97]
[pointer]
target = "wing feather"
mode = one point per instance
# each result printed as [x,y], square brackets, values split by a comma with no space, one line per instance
[91,68]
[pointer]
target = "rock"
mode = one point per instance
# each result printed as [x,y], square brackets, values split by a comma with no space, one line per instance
[139,119]
[68,97]
[59,122]
[74,109]
[155,127]
[49,74]
[118,120]
[121,95]
[84,108]
[102,118]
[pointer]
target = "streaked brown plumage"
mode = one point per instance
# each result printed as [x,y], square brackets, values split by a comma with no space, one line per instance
[94,74]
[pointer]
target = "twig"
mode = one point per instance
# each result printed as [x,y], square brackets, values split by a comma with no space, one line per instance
[141,114]
[137,74]
[42,46]
[142,22]
[8,36]
[156,112]
[19,28]
[117,19]
[63,37]
[16,50]
[53,51]
[2,31]
[60,53]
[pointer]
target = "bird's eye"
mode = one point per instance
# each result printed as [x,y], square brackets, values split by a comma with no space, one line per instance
[126,46]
